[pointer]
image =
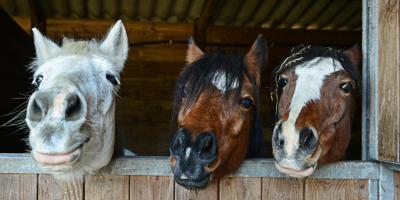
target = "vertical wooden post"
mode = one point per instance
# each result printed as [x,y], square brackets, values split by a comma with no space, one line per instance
[389,80]
[38,17]
[201,24]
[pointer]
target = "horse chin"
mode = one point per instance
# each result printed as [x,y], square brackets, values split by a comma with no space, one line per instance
[193,184]
[296,173]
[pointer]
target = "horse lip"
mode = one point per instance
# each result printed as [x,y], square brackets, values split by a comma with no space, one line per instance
[296,173]
[68,157]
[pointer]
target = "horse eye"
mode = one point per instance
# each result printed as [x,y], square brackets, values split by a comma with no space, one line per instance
[112,79]
[38,80]
[282,82]
[246,102]
[346,87]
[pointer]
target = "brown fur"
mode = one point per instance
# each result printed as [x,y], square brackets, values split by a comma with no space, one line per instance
[331,116]
[225,117]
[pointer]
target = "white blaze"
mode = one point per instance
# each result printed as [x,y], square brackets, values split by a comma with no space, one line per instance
[219,81]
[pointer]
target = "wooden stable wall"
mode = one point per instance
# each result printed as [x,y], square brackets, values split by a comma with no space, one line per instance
[146,178]
[44,187]
[144,108]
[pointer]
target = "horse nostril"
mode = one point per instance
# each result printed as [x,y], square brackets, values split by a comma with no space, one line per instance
[74,107]
[207,147]
[277,141]
[281,143]
[180,142]
[37,109]
[307,139]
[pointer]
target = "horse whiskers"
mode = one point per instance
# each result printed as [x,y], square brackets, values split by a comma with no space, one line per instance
[17,120]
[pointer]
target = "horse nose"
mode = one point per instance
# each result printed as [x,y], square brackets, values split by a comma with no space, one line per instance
[277,141]
[68,106]
[207,147]
[308,140]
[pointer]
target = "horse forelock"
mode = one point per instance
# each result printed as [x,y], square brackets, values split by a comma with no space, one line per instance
[73,47]
[301,54]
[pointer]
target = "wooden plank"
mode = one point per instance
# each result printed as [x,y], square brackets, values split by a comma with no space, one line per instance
[107,187]
[282,188]
[389,80]
[160,52]
[239,188]
[18,186]
[397,185]
[152,187]
[38,17]
[336,189]
[49,188]
[201,24]
[209,193]
[159,166]
[145,32]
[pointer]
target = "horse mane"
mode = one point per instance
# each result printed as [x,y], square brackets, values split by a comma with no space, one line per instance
[198,76]
[302,53]
[79,47]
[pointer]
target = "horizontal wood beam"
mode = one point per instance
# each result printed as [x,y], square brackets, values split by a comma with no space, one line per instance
[159,166]
[153,32]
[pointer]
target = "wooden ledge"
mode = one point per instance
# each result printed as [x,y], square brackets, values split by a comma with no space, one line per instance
[158,166]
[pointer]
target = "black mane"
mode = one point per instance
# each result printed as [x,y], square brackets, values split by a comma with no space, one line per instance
[196,77]
[301,54]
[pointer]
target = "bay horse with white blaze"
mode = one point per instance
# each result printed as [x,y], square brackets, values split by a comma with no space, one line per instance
[316,106]
[71,113]
[216,114]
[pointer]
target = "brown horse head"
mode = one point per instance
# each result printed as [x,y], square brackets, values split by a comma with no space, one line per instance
[315,108]
[215,114]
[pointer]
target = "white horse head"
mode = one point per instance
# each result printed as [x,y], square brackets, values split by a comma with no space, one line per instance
[71,114]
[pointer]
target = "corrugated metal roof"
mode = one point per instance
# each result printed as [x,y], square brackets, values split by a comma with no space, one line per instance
[300,14]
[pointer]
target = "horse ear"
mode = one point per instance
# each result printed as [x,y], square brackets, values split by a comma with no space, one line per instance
[354,55]
[116,45]
[45,48]
[256,58]
[194,52]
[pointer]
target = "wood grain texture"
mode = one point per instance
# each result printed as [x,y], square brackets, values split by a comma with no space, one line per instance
[151,187]
[107,187]
[18,186]
[336,189]
[49,188]
[209,193]
[282,188]
[389,80]
[240,188]
[142,32]
[397,185]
